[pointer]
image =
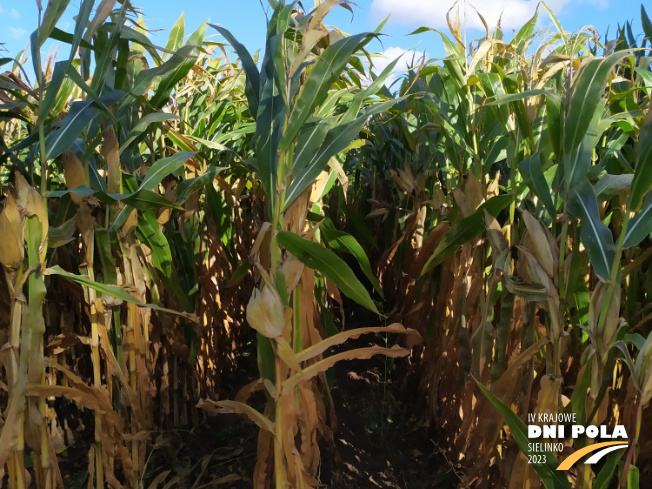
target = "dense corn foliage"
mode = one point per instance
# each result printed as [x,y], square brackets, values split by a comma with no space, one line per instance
[160,202]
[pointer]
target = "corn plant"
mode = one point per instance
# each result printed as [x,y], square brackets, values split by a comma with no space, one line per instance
[298,98]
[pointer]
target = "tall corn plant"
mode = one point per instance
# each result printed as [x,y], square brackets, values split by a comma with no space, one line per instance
[298,99]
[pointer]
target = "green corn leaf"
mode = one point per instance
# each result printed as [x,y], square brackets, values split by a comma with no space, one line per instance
[513,97]
[80,115]
[51,16]
[329,265]
[555,122]
[61,235]
[310,165]
[169,81]
[270,119]
[326,70]
[59,35]
[149,232]
[176,62]
[647,25]
[144,197]
[524,36]
[610,185]
[77,119]
[346,243]
[175,39]
[587,96]
[120,219]
[103,244]
[128,34]
[551,478]
[163,167]
[58,75]
[142,200]
[266,359]
[362,228]
[188,187]
[577,162]
[113,291]
[633,478]
[76,78]
[532,173]
[640,226]
[252,88]
[80,25]
[144,123]
[502,333]
[595,235]
[643,176]
[605,475]
[558,26]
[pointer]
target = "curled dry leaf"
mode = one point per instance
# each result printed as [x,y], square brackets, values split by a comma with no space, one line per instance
[221,407]
[412,338]
[357,354]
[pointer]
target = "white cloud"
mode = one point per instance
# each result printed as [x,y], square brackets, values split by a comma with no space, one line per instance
[432,13]
[408,58]
[14,13]
[17,32]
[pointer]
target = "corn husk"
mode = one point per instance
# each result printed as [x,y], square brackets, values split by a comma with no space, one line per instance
[32,203]
[265,312]
[74,173]
[12,232]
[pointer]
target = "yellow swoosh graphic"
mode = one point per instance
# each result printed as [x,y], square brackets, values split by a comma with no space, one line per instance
[570,460]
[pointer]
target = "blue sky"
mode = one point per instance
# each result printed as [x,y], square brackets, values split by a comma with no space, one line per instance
[246,19]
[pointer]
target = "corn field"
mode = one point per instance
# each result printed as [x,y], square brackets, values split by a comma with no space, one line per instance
[169,210]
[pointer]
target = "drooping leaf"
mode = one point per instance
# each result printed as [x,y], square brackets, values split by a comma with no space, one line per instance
[80,115]
[329,265]
[344,242]
[595,235]
[609,185]
[252,88]
[112,290]
[144,197]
